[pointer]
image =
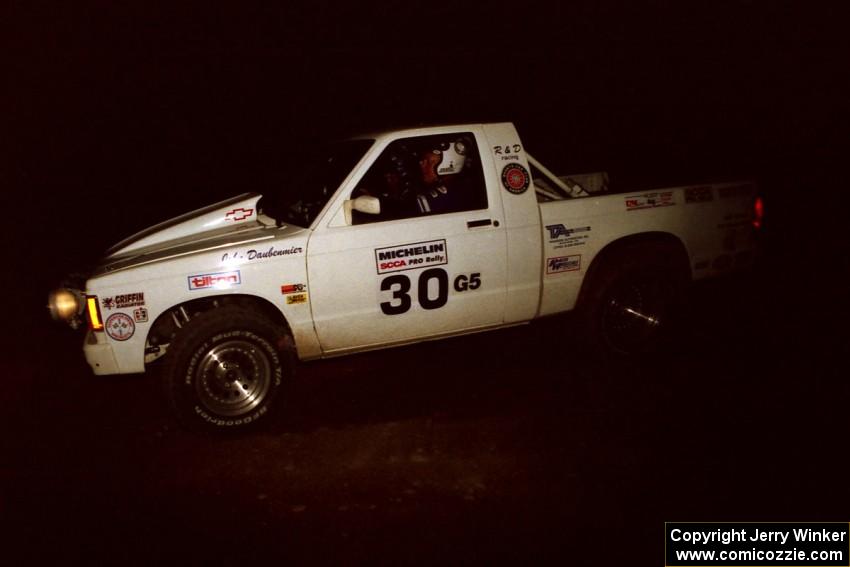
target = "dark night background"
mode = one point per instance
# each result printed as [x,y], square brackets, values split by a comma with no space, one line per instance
[115,118]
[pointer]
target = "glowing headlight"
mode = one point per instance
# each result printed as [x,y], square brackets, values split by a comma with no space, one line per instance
[64,304]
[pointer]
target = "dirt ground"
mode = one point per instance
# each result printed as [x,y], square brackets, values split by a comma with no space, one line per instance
[508,446]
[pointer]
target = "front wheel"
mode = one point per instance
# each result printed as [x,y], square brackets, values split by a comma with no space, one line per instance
[225,369]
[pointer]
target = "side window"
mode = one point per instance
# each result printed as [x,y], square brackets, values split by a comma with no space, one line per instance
[425,175]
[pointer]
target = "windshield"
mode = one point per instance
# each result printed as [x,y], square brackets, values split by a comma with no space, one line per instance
[308,189]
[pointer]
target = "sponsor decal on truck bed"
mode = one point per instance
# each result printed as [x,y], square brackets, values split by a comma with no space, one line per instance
[649,200]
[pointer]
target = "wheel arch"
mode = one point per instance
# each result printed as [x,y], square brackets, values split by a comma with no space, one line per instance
[645,240]
[172,319]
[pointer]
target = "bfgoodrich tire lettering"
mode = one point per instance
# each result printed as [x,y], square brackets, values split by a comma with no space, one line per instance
[226,368]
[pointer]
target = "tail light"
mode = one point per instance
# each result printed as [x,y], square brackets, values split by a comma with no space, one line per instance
[758,212]
[93,309]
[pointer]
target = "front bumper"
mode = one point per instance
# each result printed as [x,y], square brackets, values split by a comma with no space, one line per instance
[99,354]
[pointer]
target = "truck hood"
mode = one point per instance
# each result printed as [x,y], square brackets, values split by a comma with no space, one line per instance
[227,215]
[231,222]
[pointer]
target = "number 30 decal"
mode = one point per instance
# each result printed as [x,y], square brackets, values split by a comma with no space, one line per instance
[399,285]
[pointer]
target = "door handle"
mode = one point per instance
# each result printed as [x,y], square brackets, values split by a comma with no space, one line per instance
[477,223]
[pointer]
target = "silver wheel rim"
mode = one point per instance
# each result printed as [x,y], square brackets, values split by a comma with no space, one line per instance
[233,378]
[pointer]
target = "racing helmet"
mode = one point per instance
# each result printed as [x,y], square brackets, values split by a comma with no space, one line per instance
[453,157]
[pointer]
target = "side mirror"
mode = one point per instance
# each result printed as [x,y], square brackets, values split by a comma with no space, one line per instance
[363,204]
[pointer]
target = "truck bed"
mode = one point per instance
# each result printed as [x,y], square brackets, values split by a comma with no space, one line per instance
[713,222]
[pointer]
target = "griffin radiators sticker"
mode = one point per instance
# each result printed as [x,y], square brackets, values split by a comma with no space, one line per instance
[120,326]
[123,301]
[410,256]
[515,178]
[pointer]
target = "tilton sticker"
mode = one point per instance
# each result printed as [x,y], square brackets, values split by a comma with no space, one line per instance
[217,280]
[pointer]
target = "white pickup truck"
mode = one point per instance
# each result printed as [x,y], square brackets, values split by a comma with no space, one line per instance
[389,239]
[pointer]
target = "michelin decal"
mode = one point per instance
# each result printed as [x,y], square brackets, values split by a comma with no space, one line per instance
[411,256]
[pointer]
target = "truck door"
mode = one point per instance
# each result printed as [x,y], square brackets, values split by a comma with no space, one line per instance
[432,262]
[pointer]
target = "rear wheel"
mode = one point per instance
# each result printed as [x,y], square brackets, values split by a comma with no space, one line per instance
[226,367]
[633,301]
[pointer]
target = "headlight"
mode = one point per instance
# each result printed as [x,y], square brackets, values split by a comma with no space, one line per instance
[65,304]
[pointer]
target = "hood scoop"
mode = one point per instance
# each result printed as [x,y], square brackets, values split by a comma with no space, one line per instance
[236,213]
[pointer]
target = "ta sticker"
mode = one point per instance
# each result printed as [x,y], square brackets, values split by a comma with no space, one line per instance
[120,326]
[515,178]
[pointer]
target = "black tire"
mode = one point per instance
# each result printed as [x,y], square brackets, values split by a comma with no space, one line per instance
[225,369]
[633,301]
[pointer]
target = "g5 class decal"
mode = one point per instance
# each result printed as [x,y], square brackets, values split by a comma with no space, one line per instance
[399,285]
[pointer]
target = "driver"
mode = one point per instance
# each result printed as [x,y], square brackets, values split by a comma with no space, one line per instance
[419,183]
[440,167]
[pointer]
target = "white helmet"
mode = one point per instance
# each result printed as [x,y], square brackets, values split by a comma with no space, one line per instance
[454,156]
